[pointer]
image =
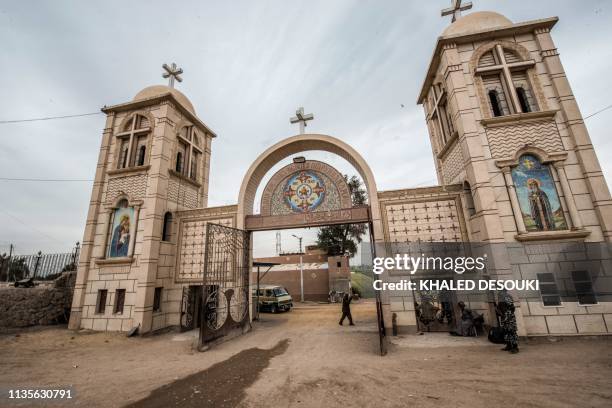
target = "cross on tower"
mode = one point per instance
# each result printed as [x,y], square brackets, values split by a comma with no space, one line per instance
[455,9]
[301,118]
[172,72]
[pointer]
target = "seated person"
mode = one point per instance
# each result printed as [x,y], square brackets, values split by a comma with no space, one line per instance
[466,324]
[427,312]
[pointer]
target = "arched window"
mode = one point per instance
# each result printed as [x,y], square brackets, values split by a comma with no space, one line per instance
[522,97]
[537,194]
[188,145]
[194,168]
[440,114]
[167,228]
[179,162]
[132,141]
[123,156]
[141,155]
[469,199]
[495,104]
[505,71]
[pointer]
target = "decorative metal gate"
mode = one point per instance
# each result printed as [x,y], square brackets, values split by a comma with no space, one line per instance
[225,308]
[187,311]
[191,303]
[435,309]
[380,320]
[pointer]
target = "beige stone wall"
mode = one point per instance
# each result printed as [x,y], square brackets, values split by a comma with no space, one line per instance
[429,214]
[182,259]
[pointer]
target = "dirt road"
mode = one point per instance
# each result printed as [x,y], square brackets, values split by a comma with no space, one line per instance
[304,359]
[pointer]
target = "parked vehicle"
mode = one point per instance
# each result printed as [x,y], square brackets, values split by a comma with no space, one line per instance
[273,298]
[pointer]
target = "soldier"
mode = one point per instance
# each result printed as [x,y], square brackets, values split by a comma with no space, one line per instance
[346,309]
[505,309]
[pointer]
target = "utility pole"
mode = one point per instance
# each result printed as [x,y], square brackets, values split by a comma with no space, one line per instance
[8,271]
[39,255]
[301,268]
[279,249]
[75,254]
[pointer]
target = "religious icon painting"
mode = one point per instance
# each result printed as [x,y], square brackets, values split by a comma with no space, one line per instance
[537,195]
[304,191]
[121,228]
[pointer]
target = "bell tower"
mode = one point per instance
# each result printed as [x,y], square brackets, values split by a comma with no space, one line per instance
[504,123]
[154,161]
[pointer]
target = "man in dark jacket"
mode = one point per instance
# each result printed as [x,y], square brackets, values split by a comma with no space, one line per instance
[346,309]
[505,309]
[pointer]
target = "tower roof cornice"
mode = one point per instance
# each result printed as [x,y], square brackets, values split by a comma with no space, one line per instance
[156,99]
[477,35]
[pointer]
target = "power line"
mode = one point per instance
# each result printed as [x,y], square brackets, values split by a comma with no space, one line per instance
[2,122]
[31,227]
[598,112]
[44,180]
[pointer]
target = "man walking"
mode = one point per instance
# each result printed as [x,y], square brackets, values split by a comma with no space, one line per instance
[346,309]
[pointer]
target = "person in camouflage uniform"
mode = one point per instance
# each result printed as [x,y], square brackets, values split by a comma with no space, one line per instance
[508,321]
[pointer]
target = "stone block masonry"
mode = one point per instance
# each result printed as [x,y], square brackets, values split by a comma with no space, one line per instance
[22,307]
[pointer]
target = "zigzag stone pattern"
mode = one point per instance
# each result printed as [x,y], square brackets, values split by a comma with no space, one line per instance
[453,164]
[504,141]
[183,194]
[134,186]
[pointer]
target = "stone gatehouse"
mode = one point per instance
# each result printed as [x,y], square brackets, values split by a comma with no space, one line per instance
[515,164]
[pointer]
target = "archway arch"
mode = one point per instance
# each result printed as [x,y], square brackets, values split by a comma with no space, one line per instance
[302,143]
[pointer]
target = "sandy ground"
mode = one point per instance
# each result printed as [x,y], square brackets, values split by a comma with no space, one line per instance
[305,359]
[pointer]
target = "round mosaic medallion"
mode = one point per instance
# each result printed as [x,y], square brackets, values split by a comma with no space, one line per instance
[304,191]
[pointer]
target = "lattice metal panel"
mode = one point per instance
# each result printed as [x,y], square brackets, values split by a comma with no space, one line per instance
[191,248]
[427,221]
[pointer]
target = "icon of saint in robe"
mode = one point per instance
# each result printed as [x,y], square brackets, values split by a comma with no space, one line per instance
[539,205]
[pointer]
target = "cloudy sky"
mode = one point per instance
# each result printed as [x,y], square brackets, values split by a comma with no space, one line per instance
[248,65]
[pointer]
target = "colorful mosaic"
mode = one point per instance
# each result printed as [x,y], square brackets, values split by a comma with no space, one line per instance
[123,224]
[537,195]
[304,191]
[306,187]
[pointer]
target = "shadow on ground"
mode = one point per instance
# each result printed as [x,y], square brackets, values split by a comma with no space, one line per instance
[222,385]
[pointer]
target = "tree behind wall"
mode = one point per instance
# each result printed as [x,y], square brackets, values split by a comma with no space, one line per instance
[14,270]
[341,239]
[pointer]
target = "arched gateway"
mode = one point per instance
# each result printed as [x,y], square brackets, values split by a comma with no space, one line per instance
[287,148]
[514,169]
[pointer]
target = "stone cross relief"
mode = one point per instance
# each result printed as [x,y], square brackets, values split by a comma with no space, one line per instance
[172,72]
[455,9]
[302,118]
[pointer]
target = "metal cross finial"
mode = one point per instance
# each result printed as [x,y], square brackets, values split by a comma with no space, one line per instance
[455,9]
[172,72]
[301,118]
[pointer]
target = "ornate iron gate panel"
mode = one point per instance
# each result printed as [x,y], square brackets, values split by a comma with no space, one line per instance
[380,320]
[225,308]
[435,309]
[188,306]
